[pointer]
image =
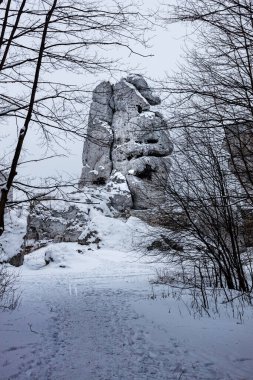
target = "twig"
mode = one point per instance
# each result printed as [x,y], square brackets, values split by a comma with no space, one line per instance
[30,325]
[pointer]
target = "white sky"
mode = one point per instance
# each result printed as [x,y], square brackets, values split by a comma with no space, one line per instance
[166,53]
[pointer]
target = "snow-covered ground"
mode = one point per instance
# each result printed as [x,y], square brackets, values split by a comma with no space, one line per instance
[93,315]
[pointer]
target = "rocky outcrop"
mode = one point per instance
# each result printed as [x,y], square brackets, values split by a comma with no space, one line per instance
[126,159]
[136,142]
[141,85]
[12,240]
[49,224]
[54,221]
[97,164]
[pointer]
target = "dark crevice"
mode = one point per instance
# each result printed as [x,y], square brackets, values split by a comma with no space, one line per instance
[146,173]
[152,141]
[111,149]
[132,156]
[131,193]
[156,154]
[99,181]
[139,108]
[113,135]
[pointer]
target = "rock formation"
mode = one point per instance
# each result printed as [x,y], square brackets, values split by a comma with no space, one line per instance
[125,166]
[97,146]
[125,136]
[126,160]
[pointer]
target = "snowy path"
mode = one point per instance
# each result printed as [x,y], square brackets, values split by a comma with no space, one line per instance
[96,321]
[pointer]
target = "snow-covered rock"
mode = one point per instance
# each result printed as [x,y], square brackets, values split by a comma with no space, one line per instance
[13,237]
[126,160]
[126,98]
[97,165]
[136,143]
[120,197]
[142,86]
[81,219]
[49,223]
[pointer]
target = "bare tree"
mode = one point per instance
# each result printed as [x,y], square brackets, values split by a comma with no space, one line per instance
[211,108]
[208,196]
[215,87]
[45,40]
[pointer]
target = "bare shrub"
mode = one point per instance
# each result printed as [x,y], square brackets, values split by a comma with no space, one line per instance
[9,292]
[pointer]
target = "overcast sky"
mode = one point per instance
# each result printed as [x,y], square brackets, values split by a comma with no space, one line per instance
[166,51]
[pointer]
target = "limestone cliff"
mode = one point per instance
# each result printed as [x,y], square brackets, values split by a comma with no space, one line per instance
[125,166]
[124,135]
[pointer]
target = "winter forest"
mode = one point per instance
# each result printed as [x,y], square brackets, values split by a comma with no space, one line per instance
[126,190]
